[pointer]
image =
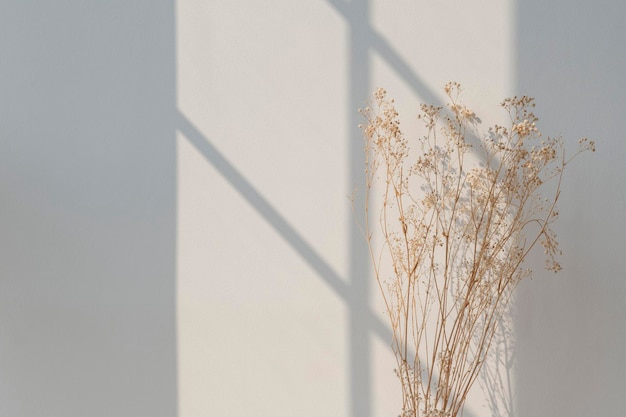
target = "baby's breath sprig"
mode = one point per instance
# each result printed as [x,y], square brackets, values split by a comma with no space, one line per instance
[455,232]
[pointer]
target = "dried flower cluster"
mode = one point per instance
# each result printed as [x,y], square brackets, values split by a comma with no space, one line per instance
[456,221]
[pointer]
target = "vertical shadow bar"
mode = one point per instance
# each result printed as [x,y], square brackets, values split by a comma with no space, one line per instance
[359,267]
[570,57]
[87,209]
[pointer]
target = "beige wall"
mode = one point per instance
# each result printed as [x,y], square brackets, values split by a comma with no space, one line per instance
[277,312]
[177,238]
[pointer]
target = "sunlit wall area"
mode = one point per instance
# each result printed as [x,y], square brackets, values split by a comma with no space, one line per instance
[263,209]
[278,313]
[570,327]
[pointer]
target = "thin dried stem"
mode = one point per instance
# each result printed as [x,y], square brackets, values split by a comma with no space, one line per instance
[455,231]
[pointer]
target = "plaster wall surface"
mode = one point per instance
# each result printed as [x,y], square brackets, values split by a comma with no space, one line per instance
[278,312]
[177,237]
[570,328]
[87,209]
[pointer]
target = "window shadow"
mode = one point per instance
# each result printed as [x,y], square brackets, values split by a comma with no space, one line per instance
[87,209]
[570,329]
[363,41]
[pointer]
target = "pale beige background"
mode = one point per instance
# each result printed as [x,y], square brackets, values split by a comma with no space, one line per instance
[177,238]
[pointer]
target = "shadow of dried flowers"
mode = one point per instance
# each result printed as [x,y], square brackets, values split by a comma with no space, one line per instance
[449,224]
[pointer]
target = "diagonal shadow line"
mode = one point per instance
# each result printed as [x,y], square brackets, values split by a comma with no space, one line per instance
[357,20]
[271,216]
[380,45]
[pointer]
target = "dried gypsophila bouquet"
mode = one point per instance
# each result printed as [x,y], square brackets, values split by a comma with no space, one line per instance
[456,222]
